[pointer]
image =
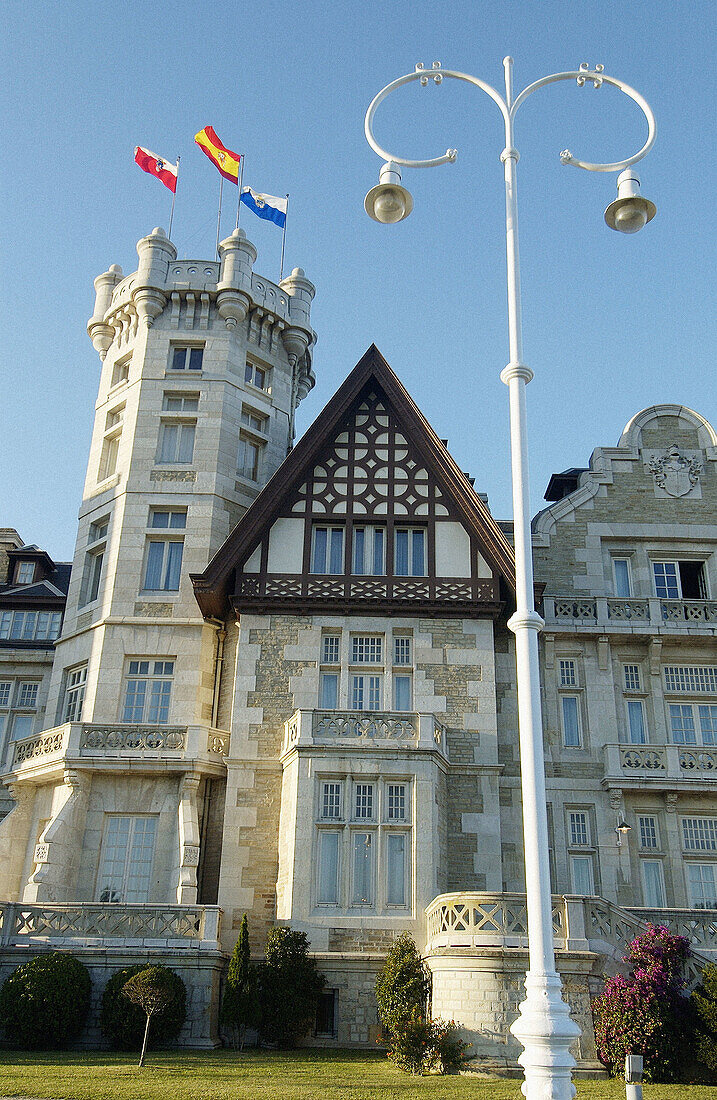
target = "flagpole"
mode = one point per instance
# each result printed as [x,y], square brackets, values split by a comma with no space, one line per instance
[241,180]
[219,215]
[283,240]
[174,195]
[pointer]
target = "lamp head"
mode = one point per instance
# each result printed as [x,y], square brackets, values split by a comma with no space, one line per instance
[622,829]
[629,211]
[388,202]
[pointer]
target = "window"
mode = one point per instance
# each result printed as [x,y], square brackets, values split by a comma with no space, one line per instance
[27,694]
[702,885]
[187,358]
[692,678]
[410,552]
[579,828]
[148,690]
[331,800]
[621,576]
[254,420]
[632,677]
[369,549]
[30,626]
[248,457]
[636,722]
[648,834]
[330,647]
[126,859]
[163,568]
[363,872]
[74,693]
[327,553]
[402,651]
[110,443]
[371,685]
[172,519]
[568,673]
[329,851]
[699,834]
[180,402]
[94,560]
[329,691]
[255,376]
[18,704]
[120,372]
[679,580]
[365,693]
[401,692]
[396,801]
[363,801]
[653,883]
[366,650]
[581,875]
[570,715]
[396,869]
[327,1014]
[25,572]
[176,442]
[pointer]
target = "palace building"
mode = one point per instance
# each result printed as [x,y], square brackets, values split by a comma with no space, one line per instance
[284,684]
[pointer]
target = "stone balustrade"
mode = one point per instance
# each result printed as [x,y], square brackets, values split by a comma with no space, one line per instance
[76,742]
[671,763]
[629,613]
[111,925]
[373,728]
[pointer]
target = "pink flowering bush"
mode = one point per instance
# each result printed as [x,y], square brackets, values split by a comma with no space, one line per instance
[646,1013]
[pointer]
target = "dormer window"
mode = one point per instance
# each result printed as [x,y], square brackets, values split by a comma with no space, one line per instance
[25,572]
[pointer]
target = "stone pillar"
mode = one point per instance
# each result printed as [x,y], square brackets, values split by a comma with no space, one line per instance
[57,852]
[188,820]
[149,292]
[14,837]
[99,331]
[234,296]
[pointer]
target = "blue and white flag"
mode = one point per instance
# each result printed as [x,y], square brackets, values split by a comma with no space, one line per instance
[268,207]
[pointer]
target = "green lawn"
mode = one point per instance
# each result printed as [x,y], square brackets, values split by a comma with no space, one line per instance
[299,1075]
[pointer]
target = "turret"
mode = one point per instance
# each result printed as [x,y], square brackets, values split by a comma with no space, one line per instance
[100,333]
[156,252]
[237,255]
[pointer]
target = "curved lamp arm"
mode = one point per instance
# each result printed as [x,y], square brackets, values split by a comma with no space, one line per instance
[582,75]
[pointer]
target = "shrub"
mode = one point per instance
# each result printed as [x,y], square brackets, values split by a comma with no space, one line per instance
[646,1012]
[240,1003]
[123,1022]
[423,1045]
[704,1002]
[155,990]
[401,987]
[44,1003]
[289,985]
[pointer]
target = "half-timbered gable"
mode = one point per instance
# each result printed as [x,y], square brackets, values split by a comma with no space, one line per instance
[369,510]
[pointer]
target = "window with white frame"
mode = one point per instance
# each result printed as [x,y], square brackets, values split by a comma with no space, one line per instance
[120,372]
[163,565]
[702,885]
[693,723]
[110,443]
[255,375]
[126,858]
[580,861]
[570,720]
[327,549]
[567,672]
[366,649]
[186,357]
[248,457]
[369,681]
[18,707]
[365,692]
[622,580]
[409,552]
[148,691]
[636,728]
[75,684]
[648,833]
[94,560]
[582,875]
[30,626]
[168,519]
[653,883]
[402,650]
[180,401]
[250,418]
[679,580]
[25,572]
[695,679]
[699,834]
[369,551]
[363,851]
[176,442]
[579,828]
[632,679]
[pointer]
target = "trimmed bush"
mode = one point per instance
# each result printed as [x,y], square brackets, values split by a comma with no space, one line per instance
[44,1003]
[428,1046]
[289,985]
[156,990]
[123,1023]
[401,987]
[240,1003]
[646,1012]
[704,1002]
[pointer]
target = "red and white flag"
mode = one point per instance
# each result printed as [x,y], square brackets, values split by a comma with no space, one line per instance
[162,169]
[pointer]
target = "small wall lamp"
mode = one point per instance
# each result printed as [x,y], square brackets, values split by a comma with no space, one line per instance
[622,829]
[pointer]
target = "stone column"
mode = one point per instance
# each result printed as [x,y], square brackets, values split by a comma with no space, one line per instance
[188,821]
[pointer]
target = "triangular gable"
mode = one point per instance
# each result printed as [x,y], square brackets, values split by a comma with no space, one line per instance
[370,456]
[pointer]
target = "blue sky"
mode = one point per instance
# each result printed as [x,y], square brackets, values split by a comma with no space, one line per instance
[611,323]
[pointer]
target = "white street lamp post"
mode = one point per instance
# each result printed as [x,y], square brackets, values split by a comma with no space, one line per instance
[544,1026]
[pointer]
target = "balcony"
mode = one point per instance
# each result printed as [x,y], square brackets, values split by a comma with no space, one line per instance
[91,924]
[141,748]
[660,766]
[368,729]
[610,614]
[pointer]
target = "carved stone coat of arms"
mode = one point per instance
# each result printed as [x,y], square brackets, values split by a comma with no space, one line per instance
[675,472]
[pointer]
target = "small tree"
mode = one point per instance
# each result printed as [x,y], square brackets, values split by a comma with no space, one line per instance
[289,986]
[44,1003]
[155,989]
[646,1012]
[240,1003]
[123,1023]
[704,1002]
[401,987]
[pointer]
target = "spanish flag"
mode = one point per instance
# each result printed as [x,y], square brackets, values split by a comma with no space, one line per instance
[223,158]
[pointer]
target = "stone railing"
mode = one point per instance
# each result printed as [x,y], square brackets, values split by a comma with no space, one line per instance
[188,926]
[70,744]
[373,728]
[626,613]
[481,920]
[660,762]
